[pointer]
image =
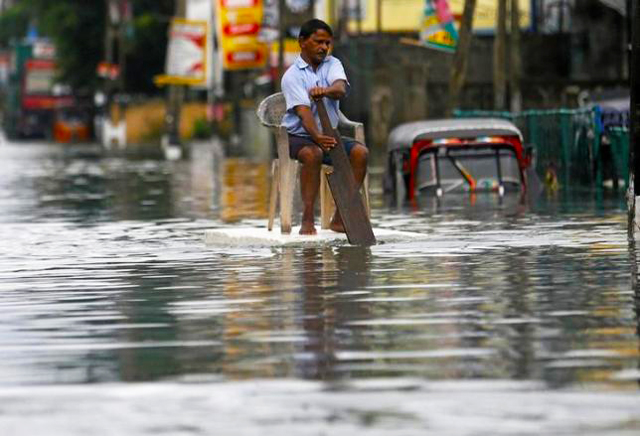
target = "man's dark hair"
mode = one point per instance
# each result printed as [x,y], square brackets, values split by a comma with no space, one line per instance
[312,26]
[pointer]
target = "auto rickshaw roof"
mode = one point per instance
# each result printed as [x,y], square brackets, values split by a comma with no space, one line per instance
[404,135]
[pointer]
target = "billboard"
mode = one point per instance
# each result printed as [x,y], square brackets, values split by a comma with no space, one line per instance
[438,29]
[238,26]
[187,60]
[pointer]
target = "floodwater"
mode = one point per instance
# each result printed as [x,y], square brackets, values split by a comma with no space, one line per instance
[511,318]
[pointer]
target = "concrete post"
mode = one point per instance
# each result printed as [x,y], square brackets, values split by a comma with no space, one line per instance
[634,123]
[515,64]
[175,97]
[460,60]
[499,58]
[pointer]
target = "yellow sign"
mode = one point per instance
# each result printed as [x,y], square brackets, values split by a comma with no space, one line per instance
[406,15]
[238,25]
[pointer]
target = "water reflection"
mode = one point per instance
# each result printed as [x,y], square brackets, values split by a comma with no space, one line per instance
[328,278]
[631,374]
[245,191]
[104,277]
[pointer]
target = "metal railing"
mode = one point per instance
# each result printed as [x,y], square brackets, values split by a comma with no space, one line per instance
[565,141]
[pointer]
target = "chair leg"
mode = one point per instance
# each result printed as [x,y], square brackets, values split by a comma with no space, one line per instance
[365,194]
[288,176]
[327,206]
[273,195]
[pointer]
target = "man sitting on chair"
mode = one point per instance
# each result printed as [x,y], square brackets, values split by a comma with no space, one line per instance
[314,75]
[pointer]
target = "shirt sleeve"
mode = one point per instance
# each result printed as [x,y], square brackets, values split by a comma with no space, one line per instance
[336,72]
[295,94]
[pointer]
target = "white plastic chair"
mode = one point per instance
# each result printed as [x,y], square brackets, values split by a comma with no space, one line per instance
[284,170]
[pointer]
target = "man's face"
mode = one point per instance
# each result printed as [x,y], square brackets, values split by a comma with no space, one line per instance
[317,46]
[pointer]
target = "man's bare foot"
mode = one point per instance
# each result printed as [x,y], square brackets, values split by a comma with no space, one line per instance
[307,228]
[336,224]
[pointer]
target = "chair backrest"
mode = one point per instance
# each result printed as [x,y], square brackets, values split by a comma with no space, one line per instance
[271,110]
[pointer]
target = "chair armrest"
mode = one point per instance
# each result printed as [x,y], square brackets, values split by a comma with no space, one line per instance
[352,129]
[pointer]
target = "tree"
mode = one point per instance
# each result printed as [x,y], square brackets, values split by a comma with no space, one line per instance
[14,21]
[77,27]
[461,56]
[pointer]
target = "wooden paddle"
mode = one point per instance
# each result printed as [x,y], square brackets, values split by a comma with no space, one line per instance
[344,189]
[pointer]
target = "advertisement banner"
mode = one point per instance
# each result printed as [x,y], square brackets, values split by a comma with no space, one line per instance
[186,53]
[438,30]
[238,27]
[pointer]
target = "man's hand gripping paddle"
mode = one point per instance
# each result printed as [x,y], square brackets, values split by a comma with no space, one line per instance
[344,189]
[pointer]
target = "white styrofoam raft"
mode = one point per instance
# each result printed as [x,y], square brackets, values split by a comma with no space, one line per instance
[260,236]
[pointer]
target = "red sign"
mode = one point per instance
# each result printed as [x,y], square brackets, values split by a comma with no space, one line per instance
[40,64]
[46,102]
[108,70]
[241,29]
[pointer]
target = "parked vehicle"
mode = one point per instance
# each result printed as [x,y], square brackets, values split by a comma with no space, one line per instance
[31,102]
[438,157]
[71,125]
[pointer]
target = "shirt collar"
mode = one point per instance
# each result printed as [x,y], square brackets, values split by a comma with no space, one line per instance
[302,64]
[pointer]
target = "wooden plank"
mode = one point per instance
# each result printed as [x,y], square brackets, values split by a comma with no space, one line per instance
[343,187]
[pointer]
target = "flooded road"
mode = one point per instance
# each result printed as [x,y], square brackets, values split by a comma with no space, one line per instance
[511,318]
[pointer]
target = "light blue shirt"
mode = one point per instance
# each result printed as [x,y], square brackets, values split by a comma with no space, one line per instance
[296,83]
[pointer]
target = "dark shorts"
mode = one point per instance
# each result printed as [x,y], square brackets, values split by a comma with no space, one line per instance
[296,143]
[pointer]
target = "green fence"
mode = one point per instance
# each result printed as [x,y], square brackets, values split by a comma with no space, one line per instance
[566,141]
[618,138]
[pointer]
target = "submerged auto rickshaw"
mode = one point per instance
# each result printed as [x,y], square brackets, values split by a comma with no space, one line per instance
[437,157]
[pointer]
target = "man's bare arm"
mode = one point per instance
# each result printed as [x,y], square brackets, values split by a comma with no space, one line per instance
[309,124]
[336,91]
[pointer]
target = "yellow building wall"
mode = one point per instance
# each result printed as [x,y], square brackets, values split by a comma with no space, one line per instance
[405,15]
[145,121]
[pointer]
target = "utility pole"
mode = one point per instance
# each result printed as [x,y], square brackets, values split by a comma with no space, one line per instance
[515,62]
[281,40]
[499,58]
[461,56]
[634,118]
[379,17]
[108,55]
[175,93]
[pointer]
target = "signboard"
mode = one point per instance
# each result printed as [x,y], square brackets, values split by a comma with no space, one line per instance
[4,68]
[186,53]
[39,77]
[43,49]
[238,26]
[438,30]
[270,26]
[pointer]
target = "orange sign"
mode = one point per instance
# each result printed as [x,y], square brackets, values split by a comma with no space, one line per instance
[238,27]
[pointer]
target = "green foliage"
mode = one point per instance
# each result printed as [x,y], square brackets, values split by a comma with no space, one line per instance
[77,27]
[13,23]
[146,52]
[77,31]
[202,129]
